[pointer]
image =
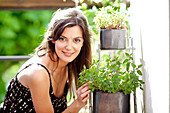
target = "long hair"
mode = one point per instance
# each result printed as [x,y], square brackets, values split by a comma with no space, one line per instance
[60,20]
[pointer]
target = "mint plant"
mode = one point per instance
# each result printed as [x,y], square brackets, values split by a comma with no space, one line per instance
[113,75]
[108,18]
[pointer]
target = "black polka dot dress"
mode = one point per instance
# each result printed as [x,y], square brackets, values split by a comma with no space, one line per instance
[18,98]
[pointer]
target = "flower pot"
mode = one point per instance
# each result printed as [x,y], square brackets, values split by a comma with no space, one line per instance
[112,39]
[111,102]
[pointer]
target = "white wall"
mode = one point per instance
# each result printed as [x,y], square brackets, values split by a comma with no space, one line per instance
[150,30]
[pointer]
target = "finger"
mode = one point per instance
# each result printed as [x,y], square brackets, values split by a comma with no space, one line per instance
[85,94]
[85,99]
[84,89]
[81,91]
[84,85]
[90,82]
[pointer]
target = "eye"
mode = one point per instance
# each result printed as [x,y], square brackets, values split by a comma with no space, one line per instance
[62,39]
[77,40]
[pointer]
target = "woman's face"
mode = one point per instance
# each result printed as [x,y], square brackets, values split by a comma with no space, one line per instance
[69,44]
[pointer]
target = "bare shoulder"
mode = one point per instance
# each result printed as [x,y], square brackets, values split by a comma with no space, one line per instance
[37,75]
[34,75]
[39,85]
[31,73]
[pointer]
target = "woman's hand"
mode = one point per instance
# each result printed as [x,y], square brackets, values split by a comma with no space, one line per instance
[82,97]
[83,94]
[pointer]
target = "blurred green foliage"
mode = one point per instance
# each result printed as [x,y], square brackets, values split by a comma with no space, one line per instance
[20,30]
[20,33]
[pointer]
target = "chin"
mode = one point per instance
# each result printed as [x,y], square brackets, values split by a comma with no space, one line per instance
[67,61]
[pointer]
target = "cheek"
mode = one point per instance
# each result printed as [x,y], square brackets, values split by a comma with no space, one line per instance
[78,48]
[58,46]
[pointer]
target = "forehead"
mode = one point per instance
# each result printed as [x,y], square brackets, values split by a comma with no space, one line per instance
[74,31]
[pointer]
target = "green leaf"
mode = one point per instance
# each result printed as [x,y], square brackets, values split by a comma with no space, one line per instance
[126,60]
[131,58]
[139,66]
[127,66]
[141,81]
[141,88]
[133,65]
[127,54]
[139,72]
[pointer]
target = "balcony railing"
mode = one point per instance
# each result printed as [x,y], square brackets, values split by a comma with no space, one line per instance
[14,58]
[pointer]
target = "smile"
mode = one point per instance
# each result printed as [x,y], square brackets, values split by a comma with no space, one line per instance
[68,54]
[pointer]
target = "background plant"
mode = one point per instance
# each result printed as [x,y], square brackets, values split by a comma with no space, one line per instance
[113,75]
[110,18]
[20,33]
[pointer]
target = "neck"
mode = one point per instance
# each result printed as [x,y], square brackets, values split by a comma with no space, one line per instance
[59,71]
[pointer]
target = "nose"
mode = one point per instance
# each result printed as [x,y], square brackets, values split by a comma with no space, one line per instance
[69,45]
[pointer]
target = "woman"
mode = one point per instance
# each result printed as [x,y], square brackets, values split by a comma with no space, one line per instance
[42,83]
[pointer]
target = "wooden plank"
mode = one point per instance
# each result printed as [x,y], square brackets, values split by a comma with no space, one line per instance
[36,4]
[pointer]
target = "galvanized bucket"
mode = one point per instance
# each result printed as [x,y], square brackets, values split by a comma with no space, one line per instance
[112,39]
[111,102]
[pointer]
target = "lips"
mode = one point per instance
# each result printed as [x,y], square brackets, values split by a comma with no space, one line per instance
[68,54]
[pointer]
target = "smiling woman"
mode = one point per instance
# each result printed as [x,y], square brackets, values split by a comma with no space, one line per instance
[57,62]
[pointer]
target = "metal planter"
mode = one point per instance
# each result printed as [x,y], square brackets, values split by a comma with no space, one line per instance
[111,102]
[112,39]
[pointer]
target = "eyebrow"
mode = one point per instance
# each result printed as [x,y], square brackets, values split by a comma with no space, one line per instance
[74,37]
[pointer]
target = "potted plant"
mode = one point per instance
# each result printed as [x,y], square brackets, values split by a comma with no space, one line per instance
[112,24]
[113,81]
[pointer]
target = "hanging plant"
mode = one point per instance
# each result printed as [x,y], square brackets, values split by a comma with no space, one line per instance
[108,18]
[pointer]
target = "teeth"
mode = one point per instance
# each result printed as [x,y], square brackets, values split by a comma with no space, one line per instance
[68,53]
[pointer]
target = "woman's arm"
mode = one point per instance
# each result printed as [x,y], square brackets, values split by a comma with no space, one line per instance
[82,97]
[38,83]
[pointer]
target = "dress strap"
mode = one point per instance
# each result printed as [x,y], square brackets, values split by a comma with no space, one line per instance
[48,74]
[24,68]
[41,66]
[45,69]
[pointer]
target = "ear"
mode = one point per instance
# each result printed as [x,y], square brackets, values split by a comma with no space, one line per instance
[53,41]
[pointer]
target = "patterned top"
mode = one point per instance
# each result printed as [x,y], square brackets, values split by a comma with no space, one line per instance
[18,98]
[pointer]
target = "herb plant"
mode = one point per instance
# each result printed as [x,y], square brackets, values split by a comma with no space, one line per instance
[108,18]
[113,75]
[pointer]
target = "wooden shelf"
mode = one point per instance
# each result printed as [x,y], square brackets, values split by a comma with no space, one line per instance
[36,4]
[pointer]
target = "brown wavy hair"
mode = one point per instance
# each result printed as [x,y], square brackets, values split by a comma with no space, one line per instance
[60,20]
